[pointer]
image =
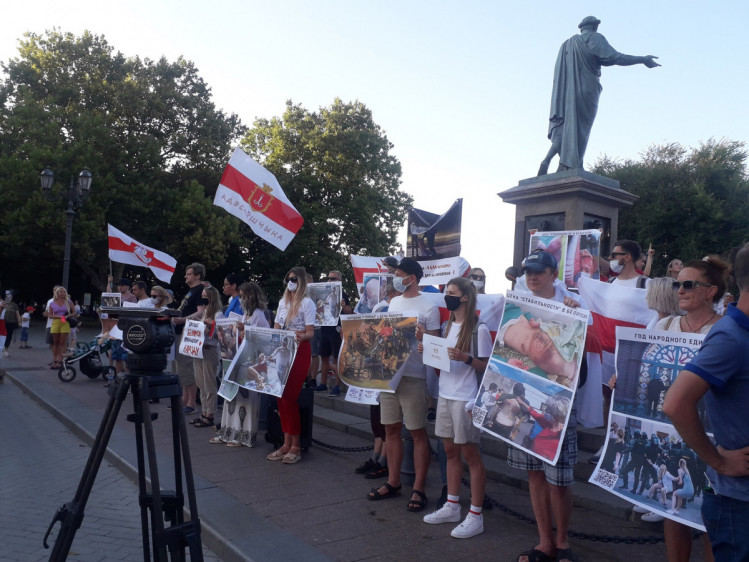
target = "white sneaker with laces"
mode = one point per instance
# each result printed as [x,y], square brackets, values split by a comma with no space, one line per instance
[471,526]
[446,514]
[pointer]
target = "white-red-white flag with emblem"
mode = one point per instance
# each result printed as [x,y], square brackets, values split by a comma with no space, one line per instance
[253,195]
[124,249]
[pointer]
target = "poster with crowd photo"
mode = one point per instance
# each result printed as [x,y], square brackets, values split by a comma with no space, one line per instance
[576,251]
[526,394]
[228,336]
[327,298]
[264,360]
[644,460]
[432,236]
[373,292]
[375,348]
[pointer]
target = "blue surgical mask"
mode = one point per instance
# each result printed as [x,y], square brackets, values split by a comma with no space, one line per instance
[399,285]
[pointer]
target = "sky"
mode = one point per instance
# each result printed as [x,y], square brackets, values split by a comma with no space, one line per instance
[461,89]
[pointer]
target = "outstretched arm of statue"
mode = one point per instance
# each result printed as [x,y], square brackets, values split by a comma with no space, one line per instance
[629,60]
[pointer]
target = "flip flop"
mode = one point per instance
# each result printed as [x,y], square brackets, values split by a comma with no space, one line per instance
[276,455]
[291,458]
[392,492]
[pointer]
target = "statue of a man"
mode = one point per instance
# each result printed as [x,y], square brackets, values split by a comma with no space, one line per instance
[574,98]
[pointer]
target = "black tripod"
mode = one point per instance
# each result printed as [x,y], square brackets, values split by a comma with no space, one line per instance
[162,505]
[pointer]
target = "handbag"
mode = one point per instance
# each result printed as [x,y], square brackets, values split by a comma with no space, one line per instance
[72,322]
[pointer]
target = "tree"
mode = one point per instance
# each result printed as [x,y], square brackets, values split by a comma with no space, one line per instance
[147,130]
[336,168]
[692,202]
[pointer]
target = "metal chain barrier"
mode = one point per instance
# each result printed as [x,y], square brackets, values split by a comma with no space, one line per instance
[342,449]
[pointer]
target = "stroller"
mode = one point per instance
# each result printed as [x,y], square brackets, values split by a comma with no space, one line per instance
[89,358]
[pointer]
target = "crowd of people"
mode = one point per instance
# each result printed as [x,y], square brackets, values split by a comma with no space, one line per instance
[689,298]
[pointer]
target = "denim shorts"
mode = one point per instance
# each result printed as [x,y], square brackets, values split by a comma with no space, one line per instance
[118,352]
[727,523]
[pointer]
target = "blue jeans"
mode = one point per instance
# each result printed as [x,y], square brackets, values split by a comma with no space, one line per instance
[727,523]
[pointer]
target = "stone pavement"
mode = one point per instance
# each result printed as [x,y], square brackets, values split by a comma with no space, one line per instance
[252,509]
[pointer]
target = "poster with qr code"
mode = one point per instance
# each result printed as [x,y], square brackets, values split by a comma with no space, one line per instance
[644,460]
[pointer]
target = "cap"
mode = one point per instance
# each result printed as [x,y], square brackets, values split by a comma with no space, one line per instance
[411,267]
[391,261]
[30,309]
[125,281]
[539,261]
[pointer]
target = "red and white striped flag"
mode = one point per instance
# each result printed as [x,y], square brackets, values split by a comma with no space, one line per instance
[253,195]
[124,249]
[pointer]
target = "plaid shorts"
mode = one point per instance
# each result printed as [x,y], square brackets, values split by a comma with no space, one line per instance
[559,474]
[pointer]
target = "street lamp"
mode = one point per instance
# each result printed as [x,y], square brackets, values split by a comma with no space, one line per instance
[78,192]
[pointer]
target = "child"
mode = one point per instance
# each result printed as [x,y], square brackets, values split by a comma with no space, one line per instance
[25,322]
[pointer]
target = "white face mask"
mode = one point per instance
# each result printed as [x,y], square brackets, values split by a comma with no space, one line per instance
[478,284]
[291,286]
[615,266]
[399,285]
[155,301]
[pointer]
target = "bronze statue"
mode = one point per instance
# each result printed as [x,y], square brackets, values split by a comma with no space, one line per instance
[574,98]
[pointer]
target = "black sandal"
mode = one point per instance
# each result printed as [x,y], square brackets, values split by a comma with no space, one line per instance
[204,422]
[377,471]
[417,505]
[392,491]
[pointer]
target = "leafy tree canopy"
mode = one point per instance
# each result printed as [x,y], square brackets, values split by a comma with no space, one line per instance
[693,202]
[150,135]
[335,166]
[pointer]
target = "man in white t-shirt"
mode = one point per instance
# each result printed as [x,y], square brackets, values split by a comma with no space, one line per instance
[409,401]
[623,258]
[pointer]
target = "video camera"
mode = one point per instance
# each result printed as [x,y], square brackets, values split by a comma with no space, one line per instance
[148,333]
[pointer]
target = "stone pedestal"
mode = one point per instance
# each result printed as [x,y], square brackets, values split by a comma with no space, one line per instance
[569,200]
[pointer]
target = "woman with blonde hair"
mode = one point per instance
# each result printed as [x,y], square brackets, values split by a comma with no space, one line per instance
[662,298]
[469,346]
[160,297]
[59,310]
[296,312]
[673,268]
[207,366]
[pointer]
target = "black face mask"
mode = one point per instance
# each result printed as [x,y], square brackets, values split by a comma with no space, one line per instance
[452,303]
[203,302]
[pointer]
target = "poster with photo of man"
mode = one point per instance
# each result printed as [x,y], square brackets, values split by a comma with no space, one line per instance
[226,331]
[264,360]
[375,347]
[576,252]
[373,292]
[644,460]
[327,298]
[526,394]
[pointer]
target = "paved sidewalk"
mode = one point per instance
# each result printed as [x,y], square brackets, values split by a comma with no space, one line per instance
[252,509]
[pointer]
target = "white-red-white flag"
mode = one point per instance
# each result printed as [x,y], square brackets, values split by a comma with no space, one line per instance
[124,249]
[253,195]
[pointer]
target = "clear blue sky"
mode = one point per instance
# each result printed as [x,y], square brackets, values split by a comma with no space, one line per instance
[462,89]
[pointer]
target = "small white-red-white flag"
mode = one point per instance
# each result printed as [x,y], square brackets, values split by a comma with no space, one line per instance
[253,195]
[124,249]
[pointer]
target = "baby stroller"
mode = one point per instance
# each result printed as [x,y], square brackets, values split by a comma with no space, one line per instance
[89,358]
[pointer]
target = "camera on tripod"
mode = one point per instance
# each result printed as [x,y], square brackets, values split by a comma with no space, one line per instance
[148,333]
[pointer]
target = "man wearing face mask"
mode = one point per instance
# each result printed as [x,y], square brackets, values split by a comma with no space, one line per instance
[623,258]
[409,401]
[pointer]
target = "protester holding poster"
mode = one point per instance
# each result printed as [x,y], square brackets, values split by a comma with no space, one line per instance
[207,366]
[239,419]
[295,312]
[469,346]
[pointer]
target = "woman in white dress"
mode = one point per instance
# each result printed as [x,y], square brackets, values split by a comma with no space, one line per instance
[239,420]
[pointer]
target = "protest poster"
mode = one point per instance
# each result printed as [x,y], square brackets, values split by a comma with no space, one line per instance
[327,298]
[364,265]
[373,292]
[435,353]
[375,347]
[432,236]
[526,394]
[440,271]
[193,338]
[264,360]
[576,252]
[111,299]
[359,395]
[228,390]
[644,460]
[228,336]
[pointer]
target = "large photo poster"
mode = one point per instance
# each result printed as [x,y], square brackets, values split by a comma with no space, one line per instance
[645,461]
[526,394]
[432,236]
[264,360]
[576,251]
[375,347]
[327,298]
[373,292]
[226,331]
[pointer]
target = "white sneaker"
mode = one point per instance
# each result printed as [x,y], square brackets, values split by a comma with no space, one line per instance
[652,517]
[639,509]
[6,354]
[445,514]
[471,526]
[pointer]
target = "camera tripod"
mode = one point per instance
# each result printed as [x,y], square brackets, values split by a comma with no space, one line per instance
[166,505]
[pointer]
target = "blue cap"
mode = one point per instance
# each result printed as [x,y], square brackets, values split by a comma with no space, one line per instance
[539,261]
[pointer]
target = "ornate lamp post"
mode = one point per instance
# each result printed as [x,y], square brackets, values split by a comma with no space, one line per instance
[78,192]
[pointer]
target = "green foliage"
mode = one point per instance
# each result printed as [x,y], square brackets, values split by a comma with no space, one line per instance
[692,202]
[336,168]
[148,132]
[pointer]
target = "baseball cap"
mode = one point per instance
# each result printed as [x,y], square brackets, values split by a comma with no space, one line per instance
[410,267]
[539,261]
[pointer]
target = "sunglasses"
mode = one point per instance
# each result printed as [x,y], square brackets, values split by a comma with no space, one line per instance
[291,280]
[689,285]
[478,277]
